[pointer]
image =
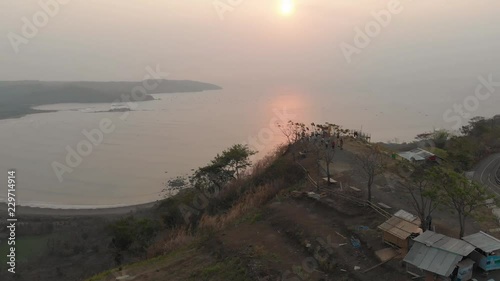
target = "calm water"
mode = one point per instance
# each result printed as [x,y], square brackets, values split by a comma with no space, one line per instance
[169,137]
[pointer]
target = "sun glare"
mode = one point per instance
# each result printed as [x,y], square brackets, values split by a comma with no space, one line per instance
[287,7]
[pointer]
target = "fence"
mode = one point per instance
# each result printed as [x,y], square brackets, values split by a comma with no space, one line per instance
[361,202]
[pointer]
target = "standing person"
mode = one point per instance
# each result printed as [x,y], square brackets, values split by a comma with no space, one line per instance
[333,145]
[342,144]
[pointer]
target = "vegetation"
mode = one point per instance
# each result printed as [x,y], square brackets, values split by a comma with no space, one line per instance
[225,193]
[131,234]
[461,194]
[223,168]
[419,182]
[433,186]
[463,149]
[446,185]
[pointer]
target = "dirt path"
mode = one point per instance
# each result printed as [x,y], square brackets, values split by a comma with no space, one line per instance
[297,235]
[388,190]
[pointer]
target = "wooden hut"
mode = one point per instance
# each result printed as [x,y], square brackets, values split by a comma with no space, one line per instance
[399,229]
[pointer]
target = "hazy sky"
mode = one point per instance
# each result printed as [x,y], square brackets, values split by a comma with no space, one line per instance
[438,43]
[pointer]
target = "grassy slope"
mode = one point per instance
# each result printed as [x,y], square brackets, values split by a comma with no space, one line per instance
[263,238]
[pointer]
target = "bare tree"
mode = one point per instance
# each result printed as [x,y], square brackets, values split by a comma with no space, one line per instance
[418,182]
[324,150]
[327,156]
[293,131]
[372,164]
[326,153]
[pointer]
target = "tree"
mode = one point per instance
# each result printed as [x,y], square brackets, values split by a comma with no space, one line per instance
[322,147]
[324,152]
[477,126]
[174,185]
[461,194]
[328,155]
[223,168]
[293,131]
[461,152]
[419,183]
[437,138]
[131,233]
[236,158]
[372,164]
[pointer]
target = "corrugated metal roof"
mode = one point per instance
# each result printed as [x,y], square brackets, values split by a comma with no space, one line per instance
[406,216]
[483,241]
[416,154]
[439,241]
[432,259]
[399,227]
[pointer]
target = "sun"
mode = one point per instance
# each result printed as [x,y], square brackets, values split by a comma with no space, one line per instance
[287,7]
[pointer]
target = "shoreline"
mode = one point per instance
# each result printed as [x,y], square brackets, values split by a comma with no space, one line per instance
[40,211]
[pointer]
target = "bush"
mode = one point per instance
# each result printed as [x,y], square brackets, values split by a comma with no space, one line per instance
[281,168]
[131,233]
[169,208]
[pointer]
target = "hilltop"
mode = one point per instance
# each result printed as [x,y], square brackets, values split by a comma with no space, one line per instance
[279,220]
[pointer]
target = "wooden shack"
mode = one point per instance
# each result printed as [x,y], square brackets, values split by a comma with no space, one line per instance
[399,229]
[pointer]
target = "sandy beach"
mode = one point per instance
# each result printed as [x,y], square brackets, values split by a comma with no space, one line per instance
[34,211]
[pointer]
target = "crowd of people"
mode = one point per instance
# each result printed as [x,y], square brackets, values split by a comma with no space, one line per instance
[335,141]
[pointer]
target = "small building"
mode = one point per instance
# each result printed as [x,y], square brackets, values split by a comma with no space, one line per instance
[399,229]
[487,252]
[418,155]
[437,256]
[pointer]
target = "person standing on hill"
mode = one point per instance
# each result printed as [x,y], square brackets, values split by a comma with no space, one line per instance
[341,144]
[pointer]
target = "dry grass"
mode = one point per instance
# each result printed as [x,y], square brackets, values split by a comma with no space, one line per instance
[261,165]
[247,196]
[183,236]
[173,240]
[248,202]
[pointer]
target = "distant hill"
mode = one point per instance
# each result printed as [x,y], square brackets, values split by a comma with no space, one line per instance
[18,97]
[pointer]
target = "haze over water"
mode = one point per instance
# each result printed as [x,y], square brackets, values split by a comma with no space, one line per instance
[175,134]
[426,60]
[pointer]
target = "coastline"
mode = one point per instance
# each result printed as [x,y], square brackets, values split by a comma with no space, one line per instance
[111,211]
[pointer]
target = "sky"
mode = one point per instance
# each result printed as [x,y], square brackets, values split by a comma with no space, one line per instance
[440,45]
